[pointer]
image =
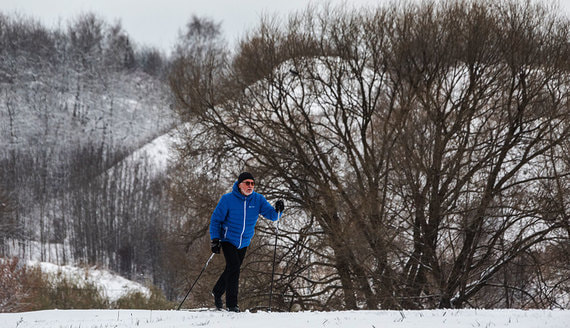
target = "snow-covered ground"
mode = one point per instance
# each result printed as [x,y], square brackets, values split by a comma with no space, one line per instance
[115,286]
[349,319]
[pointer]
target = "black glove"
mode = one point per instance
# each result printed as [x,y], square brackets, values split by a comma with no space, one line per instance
[216,245]
[279,206]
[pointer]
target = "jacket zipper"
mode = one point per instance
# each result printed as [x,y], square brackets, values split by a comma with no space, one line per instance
[243,230]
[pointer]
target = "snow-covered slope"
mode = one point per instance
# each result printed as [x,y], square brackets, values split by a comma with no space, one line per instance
[157,153]
[349,319]
[112,285]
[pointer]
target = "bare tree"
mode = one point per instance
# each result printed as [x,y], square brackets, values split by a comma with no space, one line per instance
[119,52]
[482,117]
[8,222]
[420,144]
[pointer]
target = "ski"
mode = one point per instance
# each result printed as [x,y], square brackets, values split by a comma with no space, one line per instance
[206,309]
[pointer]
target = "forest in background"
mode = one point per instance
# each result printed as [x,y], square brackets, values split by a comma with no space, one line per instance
[422,150]
[75,101]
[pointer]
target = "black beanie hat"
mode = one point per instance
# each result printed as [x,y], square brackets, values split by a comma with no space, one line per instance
[245,176]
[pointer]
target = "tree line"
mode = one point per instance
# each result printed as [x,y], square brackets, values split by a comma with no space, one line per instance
[422,150]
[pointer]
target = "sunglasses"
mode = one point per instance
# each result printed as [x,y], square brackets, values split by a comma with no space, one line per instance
[249,183]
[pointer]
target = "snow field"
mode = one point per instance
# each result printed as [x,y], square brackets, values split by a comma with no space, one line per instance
[351,319]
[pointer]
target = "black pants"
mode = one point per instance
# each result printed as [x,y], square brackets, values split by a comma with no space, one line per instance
[229,280]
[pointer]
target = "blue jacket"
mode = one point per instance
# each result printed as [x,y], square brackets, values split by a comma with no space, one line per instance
[235,217]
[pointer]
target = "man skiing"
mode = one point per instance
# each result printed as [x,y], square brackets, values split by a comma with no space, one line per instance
[232,226]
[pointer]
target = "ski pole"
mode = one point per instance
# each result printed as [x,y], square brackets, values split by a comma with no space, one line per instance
[274,255]
[195,281]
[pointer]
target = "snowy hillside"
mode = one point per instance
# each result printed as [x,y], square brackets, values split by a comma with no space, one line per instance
[352,319]
[157,153]
[76,101]
[112,285]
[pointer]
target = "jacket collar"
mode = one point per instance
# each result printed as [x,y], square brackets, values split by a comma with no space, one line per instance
[237,193]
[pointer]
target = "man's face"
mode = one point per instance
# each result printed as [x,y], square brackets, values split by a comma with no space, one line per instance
[246,187]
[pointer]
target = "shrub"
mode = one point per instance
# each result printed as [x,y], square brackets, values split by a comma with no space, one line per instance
[16,283]
[70,294]
[137,300]
[24,288]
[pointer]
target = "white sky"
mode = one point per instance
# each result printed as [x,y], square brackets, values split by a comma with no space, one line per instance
[157,22]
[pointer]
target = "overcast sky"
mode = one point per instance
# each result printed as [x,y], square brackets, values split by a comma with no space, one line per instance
[157,22]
